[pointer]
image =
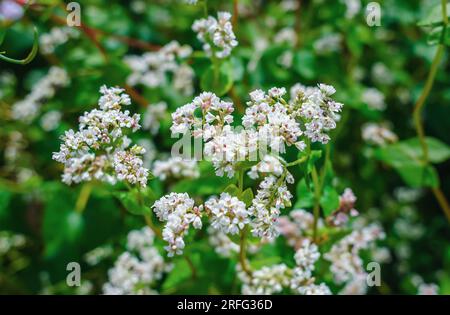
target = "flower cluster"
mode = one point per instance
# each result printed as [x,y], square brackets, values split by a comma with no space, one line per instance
[302,281]
[374,99]
[137,269]
[179,211]
[175,167]
[99,150]
[57,36]
[346,208]
[27,109]
[378,134]
[153,115]
[152,68]
[318,110]
[216,35]
[221,243]
[9,241]
[228,214]
[295,226]
[346,264]
[265,281]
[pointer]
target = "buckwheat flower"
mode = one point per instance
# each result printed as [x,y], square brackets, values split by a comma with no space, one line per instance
[206,114]
[346,209]
[306,256]
[314,289]
[137,270]
[378,134]
[356,286]
[176,167]
[374,99]
[381,74]
[216,35]
[50,120]
[289,5]
[317,109]
[286,35]
[152,69]
[286,59]
[346,264]
[99,150]
[179,212]
[265,281]
[268,165]
[95,256]
[10,241]
[328,43]
[57,36]
[153,115]
[28,109]
[183,80]
[227,214]
[428,289]
[194,2]
[353,7]
[272,195]
[221,243]
[128,166]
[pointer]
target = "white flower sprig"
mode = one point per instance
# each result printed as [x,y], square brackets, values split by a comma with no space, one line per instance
[100,150]
[216,35]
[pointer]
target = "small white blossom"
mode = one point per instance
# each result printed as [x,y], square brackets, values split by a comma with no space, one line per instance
[216,35]
[176,167]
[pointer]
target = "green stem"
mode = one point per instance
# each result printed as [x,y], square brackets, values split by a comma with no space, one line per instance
[316,209]
[191,266]
[418,123]
[30,56]
[299,161]
[242,251]
[83,197]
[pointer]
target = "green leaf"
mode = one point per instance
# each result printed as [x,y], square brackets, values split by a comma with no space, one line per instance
[180,273]
[304,64]
[304,195]
[247,196]
[266,261]
[435,36]
[232,189]
[329,200]
[130,200]
[406,158]
[218,80]
[313,158]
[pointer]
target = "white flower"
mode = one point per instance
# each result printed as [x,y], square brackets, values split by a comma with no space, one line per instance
[222,244]
[176,167]
[328,43]
[50,120]
[216,35]
[57,36]
[307,255]
[179,212]
[378,134]
[152,68]
[265,281]
[428,289]
[27,109]
[99,150]
[139,268]
[153,115]
[314,289]
[374,99]
[228,214]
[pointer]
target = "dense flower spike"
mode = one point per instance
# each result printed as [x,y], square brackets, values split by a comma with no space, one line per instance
[216,35]
[179,212]
[100,150]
